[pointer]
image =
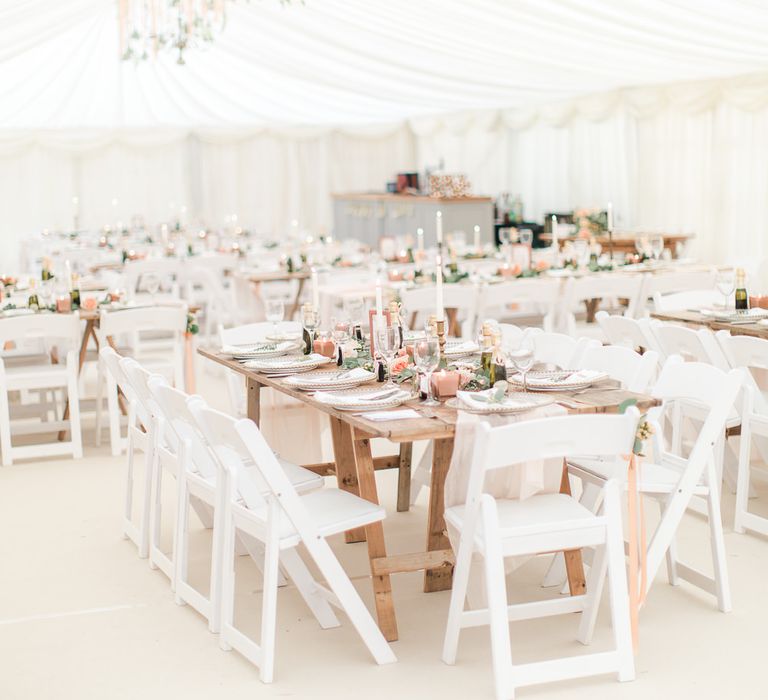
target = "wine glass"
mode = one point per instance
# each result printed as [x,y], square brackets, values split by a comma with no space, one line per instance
[275,311]
[657,246]
[641,245]
[522,359]
[387,343]
[151,284]
[726,285]
[426,353]
[340,331]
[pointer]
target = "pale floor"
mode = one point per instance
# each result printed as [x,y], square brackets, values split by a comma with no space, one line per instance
[81,617]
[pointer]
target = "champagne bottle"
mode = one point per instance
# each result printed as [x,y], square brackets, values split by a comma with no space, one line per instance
[486,357]
[499,363]
[742,298]
[33,302]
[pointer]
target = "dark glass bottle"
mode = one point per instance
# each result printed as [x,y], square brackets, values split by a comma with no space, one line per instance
[499,365]
[741,296]
[486,357]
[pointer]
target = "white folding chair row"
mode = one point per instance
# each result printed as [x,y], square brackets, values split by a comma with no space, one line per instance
[683,301]
[750,356]
[560,349]
[627,332]
[522,298]
[204,288]
[497,528]
[43,376]
[673,478]
[611,287]
[419,304]
[665,283]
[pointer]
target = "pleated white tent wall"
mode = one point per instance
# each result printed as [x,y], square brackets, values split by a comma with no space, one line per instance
[567,102]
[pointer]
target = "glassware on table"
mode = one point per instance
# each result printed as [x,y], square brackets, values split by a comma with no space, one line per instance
[310,320]
[426,354]
[151,283]
[726,285]
[341,332]
[656,247]
[641,246]
[387,344]
[275,312]
[522,358]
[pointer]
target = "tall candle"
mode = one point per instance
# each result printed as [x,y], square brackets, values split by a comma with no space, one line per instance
[379,303]
[554,233]
[439,226]
[315,290]
[477,237]
[439,288]
[610,216]
[420,238]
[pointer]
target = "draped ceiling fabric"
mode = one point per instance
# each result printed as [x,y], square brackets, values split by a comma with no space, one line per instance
[567,102]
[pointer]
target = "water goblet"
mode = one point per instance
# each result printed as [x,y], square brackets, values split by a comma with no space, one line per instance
[275,311]
[426,354]
[726,285]
[387,343]
[522,358]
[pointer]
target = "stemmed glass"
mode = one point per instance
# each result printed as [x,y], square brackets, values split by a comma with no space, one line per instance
[726,285]
[657,247]
[152,284]
[310,320]
[426,353]
[641,246]
[522,359]
[340,331]
[275,311]
[387,342]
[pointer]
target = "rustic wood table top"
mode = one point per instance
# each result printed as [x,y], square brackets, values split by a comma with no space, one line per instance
[696,318]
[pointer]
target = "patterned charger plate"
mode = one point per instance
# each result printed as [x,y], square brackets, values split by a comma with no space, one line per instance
[323,381]
[517,402]
[288,364]
[347,401]
[557,380]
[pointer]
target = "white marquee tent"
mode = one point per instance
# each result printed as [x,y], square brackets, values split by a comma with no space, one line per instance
[661,107]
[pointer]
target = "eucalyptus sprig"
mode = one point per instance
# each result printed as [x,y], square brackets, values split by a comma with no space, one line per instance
[496,395]
[644,428]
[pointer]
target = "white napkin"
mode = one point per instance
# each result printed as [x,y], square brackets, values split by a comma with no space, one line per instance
[385,395]
[353,374]
[578,377]
[468,346]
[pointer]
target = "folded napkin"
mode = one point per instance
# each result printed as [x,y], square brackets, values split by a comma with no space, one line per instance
[468,346]
[353,374]
[578,377]
[385,395]
[256,347]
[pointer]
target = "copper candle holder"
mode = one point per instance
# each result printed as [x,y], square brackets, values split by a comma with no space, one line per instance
[440,326]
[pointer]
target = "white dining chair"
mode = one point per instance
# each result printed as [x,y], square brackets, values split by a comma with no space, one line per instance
[522,298]
[120,399]
[608,287]
[497,528]
[634,371]
[629,332]
[51,377]
[560,349]
[282,519]
[674,282]
[419,304]
[750,356]
[692,299]
[673,476]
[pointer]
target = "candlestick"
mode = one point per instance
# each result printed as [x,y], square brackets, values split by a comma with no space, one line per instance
[315,290]
[439,227]
[610,229]
[420,238]
[439,312]
[477,237]
[440,326]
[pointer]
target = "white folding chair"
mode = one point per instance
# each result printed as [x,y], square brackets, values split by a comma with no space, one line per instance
[673,478]
[419,303]
[282,519]
[202,287]
[683,301]
[60,333]
[636,372]
[627,332]
[750,355]
[610,286]
[560,349]
[117,384]
[522,298]
[496,528]
[697,345]
[673,282]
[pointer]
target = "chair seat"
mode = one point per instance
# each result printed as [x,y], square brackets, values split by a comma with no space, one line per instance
[654,478]
[36,376]
[331,510]
[543,511]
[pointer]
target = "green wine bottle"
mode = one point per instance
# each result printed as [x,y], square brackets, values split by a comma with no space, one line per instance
[742,298]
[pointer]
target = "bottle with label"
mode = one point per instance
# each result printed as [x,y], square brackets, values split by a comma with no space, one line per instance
[499,364]
[74,291]
[486,357]
[742,298]
[309,323]
[33,302]
[395,322]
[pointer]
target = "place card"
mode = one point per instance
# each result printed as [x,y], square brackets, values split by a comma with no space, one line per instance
[379,416]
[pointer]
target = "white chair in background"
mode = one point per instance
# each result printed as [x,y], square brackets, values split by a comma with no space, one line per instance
[532,297]
[497,528]
[560,349]
[282,519]
[419,304]
[697,345]
[512,336]
[751,356]
[673,282]
[166,271]
[117,386]
[693,299]
[203,288]
[636,372]
[673,478]
[60,333]
[627,332]
[128,327]
[611,287]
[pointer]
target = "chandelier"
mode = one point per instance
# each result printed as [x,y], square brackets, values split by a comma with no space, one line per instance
[150,26]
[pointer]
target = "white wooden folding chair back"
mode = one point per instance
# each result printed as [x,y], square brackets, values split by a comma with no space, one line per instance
[169,319]
[497,528]
[697,345]
[249,303]
[627,332]
[685,301]
[419,304]
[610,287]
[674,282]
[48,378]
[530,297]
[114,378]
[167,271]
[635,372]
[282,519]
[559,349]
[750,356]
[512,336]
[202,287]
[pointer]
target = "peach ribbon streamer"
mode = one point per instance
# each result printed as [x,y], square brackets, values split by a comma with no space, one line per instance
[637,547]
[189,364]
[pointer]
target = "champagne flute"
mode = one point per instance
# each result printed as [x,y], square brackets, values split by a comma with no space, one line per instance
[341,331]
[726,285]
[152,284]
[387,343]
[426,353]
[522,359]
[275,311]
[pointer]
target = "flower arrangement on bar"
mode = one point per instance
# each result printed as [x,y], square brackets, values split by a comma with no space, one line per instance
[590,222]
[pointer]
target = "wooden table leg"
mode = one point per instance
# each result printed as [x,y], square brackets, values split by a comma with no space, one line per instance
[88,333]
[346,471]
[574,566]
[253,399]
[440,578]
[404,477]
[297,300]
[454,328]
[374,533]
[593,306]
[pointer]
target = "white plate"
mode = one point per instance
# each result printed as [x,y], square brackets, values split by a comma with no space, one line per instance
[353,400]
[516,402]
[287,364]
[257,351]
[283,337]
[458,348]
[329,380]
[18,312]
[546,381]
